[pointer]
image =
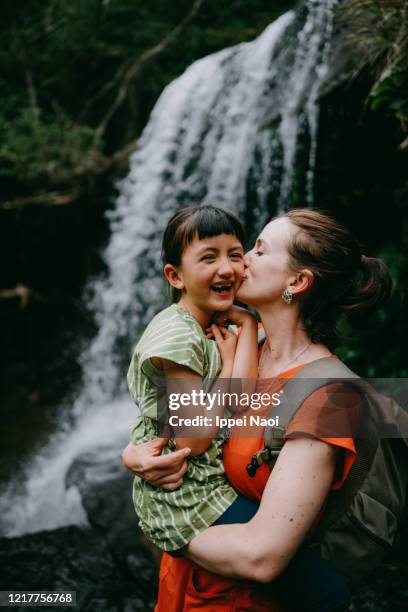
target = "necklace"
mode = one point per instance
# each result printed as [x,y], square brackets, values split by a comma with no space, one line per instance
[292,360]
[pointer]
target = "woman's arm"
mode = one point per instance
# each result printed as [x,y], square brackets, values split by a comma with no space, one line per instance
[293,497]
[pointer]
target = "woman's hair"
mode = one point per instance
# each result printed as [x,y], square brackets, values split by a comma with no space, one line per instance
[345,281]
[203,221]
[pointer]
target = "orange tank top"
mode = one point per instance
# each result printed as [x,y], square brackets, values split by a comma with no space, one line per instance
[239,450]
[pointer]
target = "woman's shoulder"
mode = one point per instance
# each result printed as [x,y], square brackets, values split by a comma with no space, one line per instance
[334,384]
[333,410]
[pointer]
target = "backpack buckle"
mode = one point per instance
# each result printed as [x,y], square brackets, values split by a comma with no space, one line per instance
[252,467]
[259,458]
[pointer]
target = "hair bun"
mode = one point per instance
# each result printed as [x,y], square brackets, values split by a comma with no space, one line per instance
[372,289]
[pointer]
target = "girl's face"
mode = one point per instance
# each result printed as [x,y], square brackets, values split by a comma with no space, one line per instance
[210,273]
[267,271]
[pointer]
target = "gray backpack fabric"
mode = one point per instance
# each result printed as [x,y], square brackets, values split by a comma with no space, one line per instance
[361,520]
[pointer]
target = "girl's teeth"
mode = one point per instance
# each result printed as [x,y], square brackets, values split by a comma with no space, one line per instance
[221,288]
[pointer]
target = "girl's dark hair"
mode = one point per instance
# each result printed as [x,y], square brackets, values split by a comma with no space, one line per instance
[345,281]
[203,221]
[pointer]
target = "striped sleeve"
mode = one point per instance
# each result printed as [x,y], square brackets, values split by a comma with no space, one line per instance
[175,340]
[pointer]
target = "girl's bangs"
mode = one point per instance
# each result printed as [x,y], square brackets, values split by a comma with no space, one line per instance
[209,222]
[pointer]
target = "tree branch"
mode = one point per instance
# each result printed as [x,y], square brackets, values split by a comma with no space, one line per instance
[101,164]
[19,291]
[104,90]
[98,167]
[103,8]
[135,67]
[53,198]
[404,145]
[32,92]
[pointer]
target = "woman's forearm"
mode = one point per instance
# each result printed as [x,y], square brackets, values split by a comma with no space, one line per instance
[292,499]
[233,551]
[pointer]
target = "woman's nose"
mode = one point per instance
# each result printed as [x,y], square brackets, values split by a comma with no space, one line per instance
[247,259]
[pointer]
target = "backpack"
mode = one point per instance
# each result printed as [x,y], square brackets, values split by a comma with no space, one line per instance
[360,522]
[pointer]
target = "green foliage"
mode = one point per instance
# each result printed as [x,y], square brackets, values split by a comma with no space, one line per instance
[36,147]
[377,30]
[372,346]
[389,93]
[62,65]
[377,35]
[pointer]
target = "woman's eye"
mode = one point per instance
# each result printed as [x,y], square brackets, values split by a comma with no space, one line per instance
[259,253]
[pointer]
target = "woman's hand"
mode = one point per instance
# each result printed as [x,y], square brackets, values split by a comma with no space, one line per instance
[227,344]
[146,461]
[235,316]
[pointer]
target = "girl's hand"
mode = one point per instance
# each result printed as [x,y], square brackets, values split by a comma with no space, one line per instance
[235,315]
[226,341]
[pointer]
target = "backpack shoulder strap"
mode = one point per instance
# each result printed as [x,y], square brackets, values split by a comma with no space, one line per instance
[314,375]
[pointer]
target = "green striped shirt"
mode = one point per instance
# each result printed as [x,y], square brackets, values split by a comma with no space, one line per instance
[170,519]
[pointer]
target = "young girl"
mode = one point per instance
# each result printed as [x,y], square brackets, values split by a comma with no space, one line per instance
[203,263]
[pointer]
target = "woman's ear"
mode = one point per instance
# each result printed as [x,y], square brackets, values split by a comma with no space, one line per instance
[172,275]
[302,282]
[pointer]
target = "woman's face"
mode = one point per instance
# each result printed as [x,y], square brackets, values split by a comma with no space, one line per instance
[267,270]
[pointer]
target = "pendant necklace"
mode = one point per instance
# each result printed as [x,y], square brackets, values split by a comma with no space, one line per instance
[292,360]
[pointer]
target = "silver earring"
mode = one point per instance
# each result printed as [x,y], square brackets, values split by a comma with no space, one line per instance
[287,296]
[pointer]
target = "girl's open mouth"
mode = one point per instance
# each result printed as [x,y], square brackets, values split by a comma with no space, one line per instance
[222,289]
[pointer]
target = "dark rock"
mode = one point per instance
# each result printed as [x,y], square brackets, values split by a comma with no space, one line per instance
[106,490]
[80,560]
[110,577]
[107,564]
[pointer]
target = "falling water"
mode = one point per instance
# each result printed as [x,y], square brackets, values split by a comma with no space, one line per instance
[309,70]
[226,132]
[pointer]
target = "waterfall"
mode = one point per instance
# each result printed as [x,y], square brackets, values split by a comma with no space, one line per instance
[309,70]
[226,132]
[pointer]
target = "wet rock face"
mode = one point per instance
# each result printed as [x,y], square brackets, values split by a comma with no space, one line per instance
[108,564]
[106,491]
[105,579]
[80,560]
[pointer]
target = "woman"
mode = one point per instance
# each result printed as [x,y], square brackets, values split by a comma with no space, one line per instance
[305,271]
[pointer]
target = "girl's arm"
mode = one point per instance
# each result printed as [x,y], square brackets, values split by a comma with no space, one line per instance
[293,497]
[246,354]
[180,379]
[245,368]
